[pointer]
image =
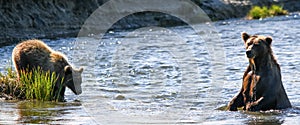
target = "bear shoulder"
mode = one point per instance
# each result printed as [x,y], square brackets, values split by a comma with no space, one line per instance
[58,60]
[57,57]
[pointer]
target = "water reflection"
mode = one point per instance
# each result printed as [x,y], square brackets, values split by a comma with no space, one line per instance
[39,112]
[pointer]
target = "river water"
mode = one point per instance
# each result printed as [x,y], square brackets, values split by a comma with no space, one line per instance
[159,75]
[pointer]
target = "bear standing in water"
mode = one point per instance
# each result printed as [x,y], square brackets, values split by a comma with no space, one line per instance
[262,87]
[32,54]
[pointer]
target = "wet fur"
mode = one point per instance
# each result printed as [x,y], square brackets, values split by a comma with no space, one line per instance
[269,93]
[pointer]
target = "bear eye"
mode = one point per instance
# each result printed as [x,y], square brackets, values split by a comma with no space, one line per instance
[249,44]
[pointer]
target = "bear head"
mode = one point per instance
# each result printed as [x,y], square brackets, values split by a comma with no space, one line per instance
[73,79]
[256,45]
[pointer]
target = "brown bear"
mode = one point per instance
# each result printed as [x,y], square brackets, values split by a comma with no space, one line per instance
[32,54]
[262,88]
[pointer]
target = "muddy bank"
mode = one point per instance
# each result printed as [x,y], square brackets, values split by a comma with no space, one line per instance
[27,19]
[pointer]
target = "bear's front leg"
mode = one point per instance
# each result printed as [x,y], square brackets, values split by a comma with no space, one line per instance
[237,101]
[254,106]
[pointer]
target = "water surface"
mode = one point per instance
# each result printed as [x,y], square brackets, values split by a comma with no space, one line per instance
[131,77]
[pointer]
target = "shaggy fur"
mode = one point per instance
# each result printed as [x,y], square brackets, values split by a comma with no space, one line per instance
[262,88]
[31,54]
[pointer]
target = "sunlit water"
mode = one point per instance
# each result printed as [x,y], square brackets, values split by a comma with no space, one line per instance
[131,77]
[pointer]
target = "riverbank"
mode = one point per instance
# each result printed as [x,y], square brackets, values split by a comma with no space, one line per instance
[55,19]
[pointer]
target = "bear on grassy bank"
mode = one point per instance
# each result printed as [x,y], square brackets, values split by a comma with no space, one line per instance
[262,88]
[31,54]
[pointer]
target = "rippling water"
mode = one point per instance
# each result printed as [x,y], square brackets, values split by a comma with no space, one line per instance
[164,76]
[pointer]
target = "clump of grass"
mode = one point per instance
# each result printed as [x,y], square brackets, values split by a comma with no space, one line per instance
[10,88]
[37,84]
[277,10]
[262,12]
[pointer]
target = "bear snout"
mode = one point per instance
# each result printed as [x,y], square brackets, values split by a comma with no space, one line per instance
[249,54]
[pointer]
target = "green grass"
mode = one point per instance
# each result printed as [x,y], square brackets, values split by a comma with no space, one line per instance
[262,12]
[39,84]
[35,85]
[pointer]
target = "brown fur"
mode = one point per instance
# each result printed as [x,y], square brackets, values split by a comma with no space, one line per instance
[262,88]
[30,54]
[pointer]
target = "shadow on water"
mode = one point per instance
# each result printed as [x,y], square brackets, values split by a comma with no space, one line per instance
[38,112]
[270,117]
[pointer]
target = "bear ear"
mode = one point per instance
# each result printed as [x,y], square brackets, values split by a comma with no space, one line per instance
[245,36]
[81,70]
[68,69]
[269,40]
